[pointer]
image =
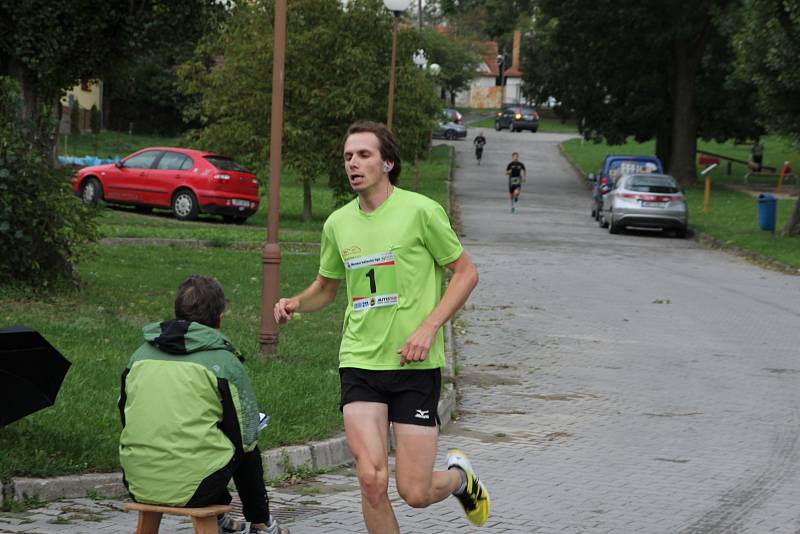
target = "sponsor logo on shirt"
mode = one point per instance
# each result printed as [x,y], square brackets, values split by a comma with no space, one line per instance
[374,260]
[351,251]
[365,303]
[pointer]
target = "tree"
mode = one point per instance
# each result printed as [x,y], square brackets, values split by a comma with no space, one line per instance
[75,118]
[457,58]
[43,227]
[94,119]
[768,46]
[84,39]
[337,72]
[644,69]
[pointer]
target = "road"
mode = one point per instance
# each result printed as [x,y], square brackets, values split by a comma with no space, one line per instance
[631,383]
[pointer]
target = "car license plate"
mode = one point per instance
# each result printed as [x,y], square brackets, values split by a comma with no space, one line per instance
[239,202]
[653,204]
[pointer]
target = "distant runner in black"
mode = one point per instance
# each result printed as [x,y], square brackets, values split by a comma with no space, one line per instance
[479,143]
[516,177]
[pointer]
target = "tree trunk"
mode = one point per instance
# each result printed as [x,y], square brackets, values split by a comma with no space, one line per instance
[664,143]
[306,199]
[792,227]
[684,115]
[35,106]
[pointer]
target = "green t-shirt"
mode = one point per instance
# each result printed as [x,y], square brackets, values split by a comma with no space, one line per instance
[391,260]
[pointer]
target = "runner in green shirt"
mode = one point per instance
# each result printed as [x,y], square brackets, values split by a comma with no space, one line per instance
[389,245]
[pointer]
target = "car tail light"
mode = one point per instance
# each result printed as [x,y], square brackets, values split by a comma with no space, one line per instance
[648,198]
[603,180]
[222,177]
[536,115]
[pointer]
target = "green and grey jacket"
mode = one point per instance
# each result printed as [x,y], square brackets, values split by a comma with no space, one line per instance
[188,410]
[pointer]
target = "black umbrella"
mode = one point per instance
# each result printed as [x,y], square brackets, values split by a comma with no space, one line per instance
[31,372]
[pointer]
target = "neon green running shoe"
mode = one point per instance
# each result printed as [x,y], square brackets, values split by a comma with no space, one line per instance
[475,499]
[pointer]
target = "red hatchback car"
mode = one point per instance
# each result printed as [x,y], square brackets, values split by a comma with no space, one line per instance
[186,181]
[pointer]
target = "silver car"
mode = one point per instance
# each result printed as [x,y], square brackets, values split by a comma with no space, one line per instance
[449,130]
[645,201]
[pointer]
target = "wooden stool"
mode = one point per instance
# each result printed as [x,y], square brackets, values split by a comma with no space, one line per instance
[204,519]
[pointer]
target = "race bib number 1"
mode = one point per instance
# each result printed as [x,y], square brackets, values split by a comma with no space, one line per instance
[373,281]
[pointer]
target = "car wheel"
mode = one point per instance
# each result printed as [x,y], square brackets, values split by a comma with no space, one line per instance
[92,191]
[534,130]
[602,221]
[594,212]
[681,232]
[613,228]
[497,126]
[184,205]
[450,135]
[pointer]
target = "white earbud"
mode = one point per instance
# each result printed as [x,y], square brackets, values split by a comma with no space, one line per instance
[386,167]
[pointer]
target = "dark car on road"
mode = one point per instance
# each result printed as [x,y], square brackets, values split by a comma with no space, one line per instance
[453,115]
[517,118]
[188,182]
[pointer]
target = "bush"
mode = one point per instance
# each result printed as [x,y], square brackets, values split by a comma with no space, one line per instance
[44,228]
[94,119]
[75,119]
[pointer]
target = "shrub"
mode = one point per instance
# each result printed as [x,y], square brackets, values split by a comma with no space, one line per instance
[75,119]
[94,119]
[44,228]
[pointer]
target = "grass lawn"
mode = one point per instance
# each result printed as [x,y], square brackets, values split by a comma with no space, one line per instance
[126,286]
[733,217]
[109,143]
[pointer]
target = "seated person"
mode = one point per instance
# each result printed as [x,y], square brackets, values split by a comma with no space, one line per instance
[757,158]
[189,415]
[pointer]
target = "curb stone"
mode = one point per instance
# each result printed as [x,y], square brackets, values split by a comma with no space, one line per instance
[314,456]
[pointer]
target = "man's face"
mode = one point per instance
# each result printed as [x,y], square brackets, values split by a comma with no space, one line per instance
[515,157]
[363,163]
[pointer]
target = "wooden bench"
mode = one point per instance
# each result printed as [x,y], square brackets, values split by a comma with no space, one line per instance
[204,519]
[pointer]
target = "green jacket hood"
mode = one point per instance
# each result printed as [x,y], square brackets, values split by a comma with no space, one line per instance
[178,336]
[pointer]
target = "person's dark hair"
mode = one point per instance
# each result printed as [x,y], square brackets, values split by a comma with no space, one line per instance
[200,299]
[389,147]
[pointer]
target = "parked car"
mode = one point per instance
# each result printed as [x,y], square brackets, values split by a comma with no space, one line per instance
[186,181]
[645,201]
[453,115]
[450,130]
[614,167]
[517,118]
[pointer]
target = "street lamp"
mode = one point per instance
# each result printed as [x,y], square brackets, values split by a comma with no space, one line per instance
[419,59]
[271,254]
[396,7]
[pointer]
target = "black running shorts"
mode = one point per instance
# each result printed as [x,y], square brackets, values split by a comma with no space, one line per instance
[514,187]
[412,396]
